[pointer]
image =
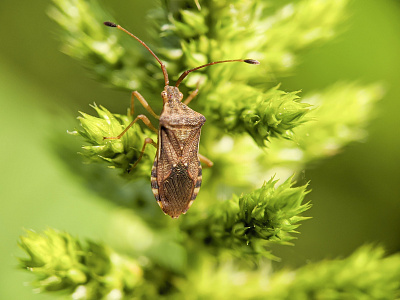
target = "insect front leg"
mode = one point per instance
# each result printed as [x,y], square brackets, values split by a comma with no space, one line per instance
[205,161]
[144,104]
[146,142]
[145,120]
[192,95]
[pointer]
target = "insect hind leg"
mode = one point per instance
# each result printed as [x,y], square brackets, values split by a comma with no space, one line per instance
[208,163]
[192,95]
[146,142]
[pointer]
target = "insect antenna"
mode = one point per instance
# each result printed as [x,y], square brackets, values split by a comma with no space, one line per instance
[184,74]
[163,68]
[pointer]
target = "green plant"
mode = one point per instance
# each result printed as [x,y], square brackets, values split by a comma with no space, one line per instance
[251,122]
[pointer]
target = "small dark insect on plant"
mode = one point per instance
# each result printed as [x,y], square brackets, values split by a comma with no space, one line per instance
[176,174]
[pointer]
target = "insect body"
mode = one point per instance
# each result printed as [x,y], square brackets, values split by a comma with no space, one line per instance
[176,175]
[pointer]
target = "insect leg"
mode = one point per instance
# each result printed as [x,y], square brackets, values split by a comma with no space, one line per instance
[206,161]
[192,95]
[146,142]
[143,102]
[145,120]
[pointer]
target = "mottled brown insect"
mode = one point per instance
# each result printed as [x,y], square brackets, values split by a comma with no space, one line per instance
[176,174]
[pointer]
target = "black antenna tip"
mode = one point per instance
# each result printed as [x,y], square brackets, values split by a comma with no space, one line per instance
[252,61]
[110,24]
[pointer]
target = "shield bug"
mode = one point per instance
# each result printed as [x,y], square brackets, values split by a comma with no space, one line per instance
[176,174]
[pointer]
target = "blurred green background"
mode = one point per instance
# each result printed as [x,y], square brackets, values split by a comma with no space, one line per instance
[355,194]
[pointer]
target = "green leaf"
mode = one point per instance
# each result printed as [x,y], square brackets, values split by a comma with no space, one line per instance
[340,116]
[262,115]
[249,223]
[121,153]
[366,274]
[60,263]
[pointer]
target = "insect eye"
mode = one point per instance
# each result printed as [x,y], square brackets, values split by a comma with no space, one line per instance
[180,95]
[163,94]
